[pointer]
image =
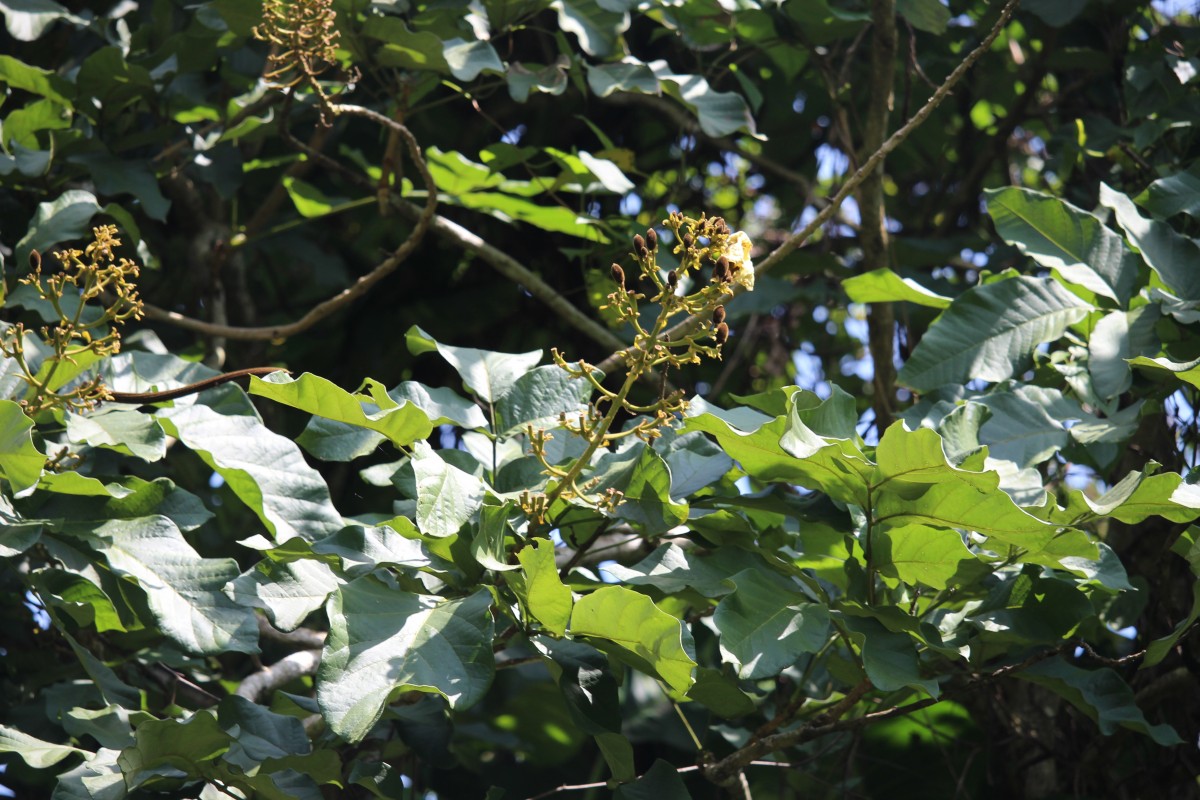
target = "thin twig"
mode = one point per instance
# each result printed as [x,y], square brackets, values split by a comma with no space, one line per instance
[350,293]
[894,141]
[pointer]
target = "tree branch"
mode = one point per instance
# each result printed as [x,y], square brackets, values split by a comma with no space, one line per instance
[287,669]
[881,324]
[350,293]
[895,140]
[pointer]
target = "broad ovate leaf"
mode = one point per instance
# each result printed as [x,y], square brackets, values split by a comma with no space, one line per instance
[990,332]
[629,626]
[383,641]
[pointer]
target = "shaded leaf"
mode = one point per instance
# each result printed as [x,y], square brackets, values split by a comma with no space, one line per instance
[630,627]
[383,641]
[266,471]
[1101,694]
[767,623]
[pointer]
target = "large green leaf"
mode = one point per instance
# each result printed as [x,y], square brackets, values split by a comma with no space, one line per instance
[595,24]
[1174,194]
[885,286]
[1058,235]
[1188,371]
[921,555]
[183,589]
[266,471]
[1117,338]
[672,569]
[1101,694]
[383,641]
[447,497]
[538,397]
[890,659]
[288,591]
[467,59]
[630,627]
[926,15]
[915,484]
[130,432]
[991,331]
[20,461]
[35,80]
[1171,255]
[34,752]
[402,423]
[548,599]
[767,623]
[488,375]
[65,218]
[786,450]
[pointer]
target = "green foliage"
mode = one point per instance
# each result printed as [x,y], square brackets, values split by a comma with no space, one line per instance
[486,567]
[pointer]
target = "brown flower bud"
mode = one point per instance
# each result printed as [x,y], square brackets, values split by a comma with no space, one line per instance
[688,241]
[35,260]
[672,279]
[721,334]
[643,252]
[721,271]
[651,239]
[718,315]
[618,275]
[639,244]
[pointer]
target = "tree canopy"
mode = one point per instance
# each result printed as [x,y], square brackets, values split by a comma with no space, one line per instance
[531,398]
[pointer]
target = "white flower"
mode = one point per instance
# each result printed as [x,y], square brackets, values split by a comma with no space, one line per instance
[737,250]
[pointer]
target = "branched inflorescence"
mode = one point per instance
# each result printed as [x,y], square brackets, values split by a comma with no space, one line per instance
[303,44]
[84,276]
[711,258]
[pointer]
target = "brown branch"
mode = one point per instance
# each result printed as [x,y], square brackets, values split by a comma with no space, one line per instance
[350,293]
[852,183]
[300,639]
[881,324]
[142,398]
[723,771]
[517,272]
[287,669]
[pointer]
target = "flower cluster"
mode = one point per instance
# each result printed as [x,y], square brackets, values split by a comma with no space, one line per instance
[84,276]
[711,260]
[303,43]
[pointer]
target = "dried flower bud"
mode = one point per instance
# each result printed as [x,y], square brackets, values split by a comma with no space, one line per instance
[651,239]
[718,315]
[618,275]
[639,244]
[35,260]
[672,279]
[643,252]
[688,241]
[721,271]
[721,334]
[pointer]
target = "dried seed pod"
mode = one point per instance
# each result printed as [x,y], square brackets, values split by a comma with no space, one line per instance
[651,239]
[639,244]
[618,275]
[721,334]
[672,279]
[718,315]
